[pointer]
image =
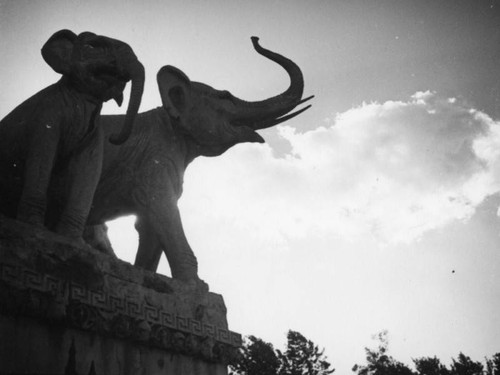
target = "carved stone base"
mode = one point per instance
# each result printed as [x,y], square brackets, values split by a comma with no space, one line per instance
[68,309]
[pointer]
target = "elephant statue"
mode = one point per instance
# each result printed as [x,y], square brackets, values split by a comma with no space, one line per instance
[144,176]
[53,141]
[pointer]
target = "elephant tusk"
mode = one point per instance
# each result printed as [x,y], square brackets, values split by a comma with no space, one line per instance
[269,123]
[305,100]
[119,99]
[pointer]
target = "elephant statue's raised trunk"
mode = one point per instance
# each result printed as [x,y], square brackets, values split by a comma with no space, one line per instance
[135,71]
[265,113]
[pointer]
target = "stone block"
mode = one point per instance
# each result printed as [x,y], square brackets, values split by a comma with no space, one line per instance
[69,309]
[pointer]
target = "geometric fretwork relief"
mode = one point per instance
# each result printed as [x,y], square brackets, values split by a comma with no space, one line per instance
[150,314]
[123,317]
[28,279]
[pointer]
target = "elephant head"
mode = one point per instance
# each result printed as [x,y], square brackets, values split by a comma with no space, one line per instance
[216,119]
[99,67]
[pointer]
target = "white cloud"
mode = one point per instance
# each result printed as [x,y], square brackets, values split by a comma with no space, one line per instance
[389,171]
[380,173]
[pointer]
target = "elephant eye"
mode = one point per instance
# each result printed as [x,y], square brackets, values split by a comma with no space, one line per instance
[94,44]
[88,49]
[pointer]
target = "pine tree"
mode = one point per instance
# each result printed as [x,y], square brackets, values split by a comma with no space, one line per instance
[430,366]
[257,358]
[379,362]
[302,357]
[493,365]
[465,366]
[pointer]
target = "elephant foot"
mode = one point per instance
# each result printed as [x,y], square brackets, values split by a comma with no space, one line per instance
[198,284]
[73,241]
[97,237]
[70,227]
[72,234]
[31,210]
[195,284]
[44,233]
[33,225]
[34,219]
[77,241]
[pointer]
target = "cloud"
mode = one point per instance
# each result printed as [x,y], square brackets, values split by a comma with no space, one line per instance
[388,171]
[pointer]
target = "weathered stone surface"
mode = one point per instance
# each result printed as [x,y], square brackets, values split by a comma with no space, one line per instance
[55,294]
[54,350]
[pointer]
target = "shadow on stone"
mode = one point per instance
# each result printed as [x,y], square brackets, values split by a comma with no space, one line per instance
[69,309]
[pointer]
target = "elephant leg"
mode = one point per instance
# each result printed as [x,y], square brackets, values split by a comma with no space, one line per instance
[38,170]
[164,220]
[149,252]
[97,237]
[83,171]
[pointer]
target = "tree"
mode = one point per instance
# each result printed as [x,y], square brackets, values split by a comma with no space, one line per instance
[379,362]
[302,357]
[493,365]
[430,366]
[466,366]
[257,358]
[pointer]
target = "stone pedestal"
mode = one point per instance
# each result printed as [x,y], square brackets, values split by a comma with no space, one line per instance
[67,309]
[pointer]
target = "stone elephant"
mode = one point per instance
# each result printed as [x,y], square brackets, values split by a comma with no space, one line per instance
[53,138]
[144,176]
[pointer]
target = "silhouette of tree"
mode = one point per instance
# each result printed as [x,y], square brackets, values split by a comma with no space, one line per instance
[493,365]
[465,366]
[430,366]
[379,362]
[257,358]
[302,356]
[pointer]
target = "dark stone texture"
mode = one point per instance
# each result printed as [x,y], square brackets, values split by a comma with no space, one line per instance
[49,351]
[122,319]
[51,145]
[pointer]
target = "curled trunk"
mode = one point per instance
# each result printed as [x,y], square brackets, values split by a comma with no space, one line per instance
[261,114]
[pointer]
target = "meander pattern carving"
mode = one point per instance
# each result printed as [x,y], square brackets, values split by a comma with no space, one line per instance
[47,297]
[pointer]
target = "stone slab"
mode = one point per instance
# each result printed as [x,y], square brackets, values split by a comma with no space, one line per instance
[55,293]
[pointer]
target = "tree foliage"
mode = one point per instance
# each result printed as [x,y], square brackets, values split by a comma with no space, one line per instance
[493,365]
[430,366]
[257,358]
[301,357]
[379,362]
[466,366]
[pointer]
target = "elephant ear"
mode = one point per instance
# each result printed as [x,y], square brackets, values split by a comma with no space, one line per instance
[58,49]
[175,91]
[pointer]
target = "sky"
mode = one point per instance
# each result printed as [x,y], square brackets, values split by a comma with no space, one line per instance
[378,208]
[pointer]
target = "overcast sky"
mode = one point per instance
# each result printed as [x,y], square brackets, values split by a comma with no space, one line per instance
[376,209]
